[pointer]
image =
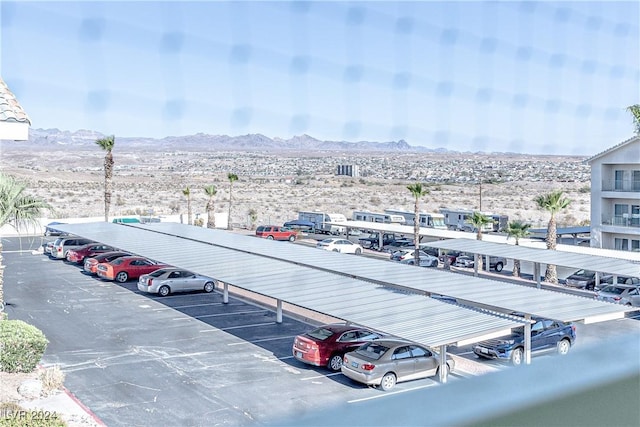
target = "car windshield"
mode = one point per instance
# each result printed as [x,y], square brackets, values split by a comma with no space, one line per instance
[320,334]
[327,241]
[372,350]
[613,290]
[117,261]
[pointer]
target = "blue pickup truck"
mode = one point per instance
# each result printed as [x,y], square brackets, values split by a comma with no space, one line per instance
[546,335]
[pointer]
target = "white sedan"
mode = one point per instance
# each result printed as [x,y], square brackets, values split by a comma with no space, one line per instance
[340,245]
[424,260]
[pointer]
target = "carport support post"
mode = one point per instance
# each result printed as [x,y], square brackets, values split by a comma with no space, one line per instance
[527,340]
[536,273]
[443,362]
[225,293]
[475,264]
[279,311]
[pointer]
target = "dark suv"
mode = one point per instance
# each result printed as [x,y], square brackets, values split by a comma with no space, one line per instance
[546,334]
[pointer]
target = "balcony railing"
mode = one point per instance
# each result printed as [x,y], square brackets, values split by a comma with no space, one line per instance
[622,221]
[623,185]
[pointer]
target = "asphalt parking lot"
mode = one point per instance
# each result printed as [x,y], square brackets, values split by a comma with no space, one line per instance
[187,359]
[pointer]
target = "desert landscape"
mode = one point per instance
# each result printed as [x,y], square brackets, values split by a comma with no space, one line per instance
[277,182]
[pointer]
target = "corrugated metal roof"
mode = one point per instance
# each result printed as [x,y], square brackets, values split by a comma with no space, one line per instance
[425,320]
[545,256]
[502,297]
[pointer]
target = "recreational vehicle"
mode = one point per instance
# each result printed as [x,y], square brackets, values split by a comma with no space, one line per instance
[382,218]
[323,221]
[458,219]
[427,219]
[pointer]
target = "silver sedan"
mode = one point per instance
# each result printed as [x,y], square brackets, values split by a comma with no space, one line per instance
[387,362]
[168,280]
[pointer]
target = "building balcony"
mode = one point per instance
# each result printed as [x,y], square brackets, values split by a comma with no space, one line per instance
[621,185]
[630,221]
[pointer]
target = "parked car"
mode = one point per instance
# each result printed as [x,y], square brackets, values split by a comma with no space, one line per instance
[387,362]
[424,260]
[127,268]
[424,247]
[398,245]
[169,280]
[339,245]
[326,345]
[49,230]
[275,232]
[62,245]
[620,294]
[585,279]
[78,255]
[372,241]
[468,261]
[91,263]
[546,334]
[403,254]
[451,256]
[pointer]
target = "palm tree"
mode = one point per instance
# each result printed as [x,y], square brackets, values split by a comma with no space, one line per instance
[107,144]
[635,112]
[231,177]
[553,202]
[518,230]
[187,193]
[210,190]
[417,190]
[18,210]
[479,220]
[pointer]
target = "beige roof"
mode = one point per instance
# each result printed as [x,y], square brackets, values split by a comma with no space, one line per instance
[10,109]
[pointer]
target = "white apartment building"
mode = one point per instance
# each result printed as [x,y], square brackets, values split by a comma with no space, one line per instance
[615,197]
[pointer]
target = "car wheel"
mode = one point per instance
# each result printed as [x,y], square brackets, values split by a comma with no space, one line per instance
[517,356]
[336,250]
[164,291]
[269,237]
[292,238]
[122,277]
[563,347]
[499,267]
[358,251]
[335,362]
[388,381]
[434,264]
[208,287]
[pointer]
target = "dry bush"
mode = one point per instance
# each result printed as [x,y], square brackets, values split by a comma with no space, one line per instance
[52,379]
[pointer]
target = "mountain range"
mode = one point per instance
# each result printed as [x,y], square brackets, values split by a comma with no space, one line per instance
[203,142]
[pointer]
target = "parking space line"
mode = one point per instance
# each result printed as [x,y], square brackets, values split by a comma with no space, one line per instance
[188,306]
[262,340]
[320,376]
[238,327]
[390,393]
[229,314]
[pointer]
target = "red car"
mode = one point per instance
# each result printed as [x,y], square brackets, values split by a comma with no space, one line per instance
[127,268]
[78,255]
[275,232]
[91,263]
[326,345]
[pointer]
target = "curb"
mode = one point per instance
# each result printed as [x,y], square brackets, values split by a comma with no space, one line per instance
[84,407]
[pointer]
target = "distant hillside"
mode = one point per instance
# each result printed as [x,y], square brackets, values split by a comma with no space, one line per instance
[204,142]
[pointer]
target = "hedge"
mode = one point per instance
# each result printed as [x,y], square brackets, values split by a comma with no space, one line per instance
[21,346]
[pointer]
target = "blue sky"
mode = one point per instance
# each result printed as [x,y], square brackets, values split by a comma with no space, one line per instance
[529,77]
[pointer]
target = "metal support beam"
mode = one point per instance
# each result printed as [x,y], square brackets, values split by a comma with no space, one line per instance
[475,264]
[225,293]
[536,274]
[443,362]
[279,311]
[527,340]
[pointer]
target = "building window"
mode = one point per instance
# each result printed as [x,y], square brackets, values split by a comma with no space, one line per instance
[621,244]
[621,214]
[619,180]
[635,245]
[636,181]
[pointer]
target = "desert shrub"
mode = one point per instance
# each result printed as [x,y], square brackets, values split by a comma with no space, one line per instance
[52,378]
[21,346]
[14,415]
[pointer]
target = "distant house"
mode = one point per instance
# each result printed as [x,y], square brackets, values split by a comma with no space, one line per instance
[615,197]
[14,122]
[348,170]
